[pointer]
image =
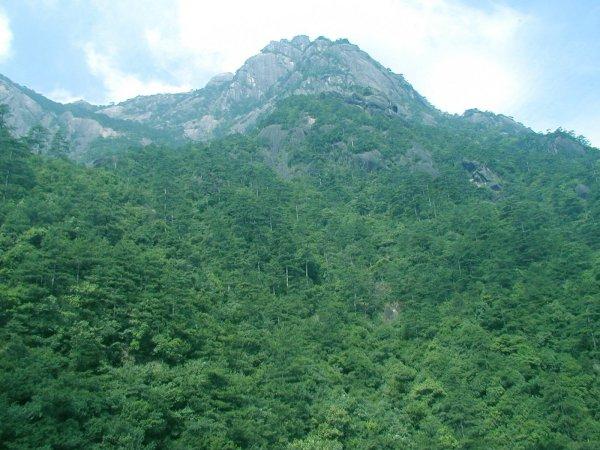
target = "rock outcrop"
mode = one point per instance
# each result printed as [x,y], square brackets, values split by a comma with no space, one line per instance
[582,190]
[283,68]
[419,159]
[371,160]
[236,102]
[499,122]
[482,176]
[28,109]
[562,143]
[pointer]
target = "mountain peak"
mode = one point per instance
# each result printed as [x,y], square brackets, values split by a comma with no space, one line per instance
[231,102]
[297,66]
[297,43]
[219,79]
[235,102]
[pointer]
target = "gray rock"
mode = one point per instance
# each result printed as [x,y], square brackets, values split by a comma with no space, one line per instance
[499,122]
[391,311]
[230,103]
[274,136]
[25,112]
[297,135]
[420,160]
[234,103]
[283,68]
[199,129]
[219,80]
[301,42]
[482,176]
[558,142]
[29,109]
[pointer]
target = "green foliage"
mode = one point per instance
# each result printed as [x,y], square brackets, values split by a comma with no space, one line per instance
[37,139]
[194,298]
[59,146]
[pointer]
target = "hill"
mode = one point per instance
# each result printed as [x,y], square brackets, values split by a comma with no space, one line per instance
[341,275]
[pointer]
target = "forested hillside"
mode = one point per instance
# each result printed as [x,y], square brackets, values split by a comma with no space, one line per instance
[339,278]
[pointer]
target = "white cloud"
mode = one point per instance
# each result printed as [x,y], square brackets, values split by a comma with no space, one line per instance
[122,86]
[455,83]
[5,37]
[61,95]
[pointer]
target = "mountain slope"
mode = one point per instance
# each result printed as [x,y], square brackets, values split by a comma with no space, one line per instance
[344,274]
[229,103]
[234,102]
[29,109]
[84,128]
[336,278]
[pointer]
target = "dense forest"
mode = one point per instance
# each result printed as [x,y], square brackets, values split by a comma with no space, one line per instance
[337,279]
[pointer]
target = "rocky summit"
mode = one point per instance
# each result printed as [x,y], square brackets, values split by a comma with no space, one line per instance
[237,102]
[234,102]
[229,103]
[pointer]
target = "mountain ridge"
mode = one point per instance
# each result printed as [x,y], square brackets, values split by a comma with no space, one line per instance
[282,68]
[235,102]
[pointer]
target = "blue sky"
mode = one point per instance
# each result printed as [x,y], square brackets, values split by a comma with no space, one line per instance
[538,61]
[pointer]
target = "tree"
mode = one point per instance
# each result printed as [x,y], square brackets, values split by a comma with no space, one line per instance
[60,146]
[37,139]
[15,173]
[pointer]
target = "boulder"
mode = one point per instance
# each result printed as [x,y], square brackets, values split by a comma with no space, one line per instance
[482,176]
[419,159]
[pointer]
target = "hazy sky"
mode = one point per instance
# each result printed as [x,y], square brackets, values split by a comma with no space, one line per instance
[538,60]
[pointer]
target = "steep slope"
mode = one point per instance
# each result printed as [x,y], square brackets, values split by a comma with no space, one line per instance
[237,103]
[335,278]
[233,103]
[80,123]
[28,109]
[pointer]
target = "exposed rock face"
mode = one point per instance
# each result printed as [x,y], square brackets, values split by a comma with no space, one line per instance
[219,80]
[283,68]
[391,311]
[482,176]
[82,131]
[25,112]
[419,159]
[28,109]
[145,109]
[234,103]
[558,142]
[195,129]
[274,138]
[277,142]
[371,160]
[500,122]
